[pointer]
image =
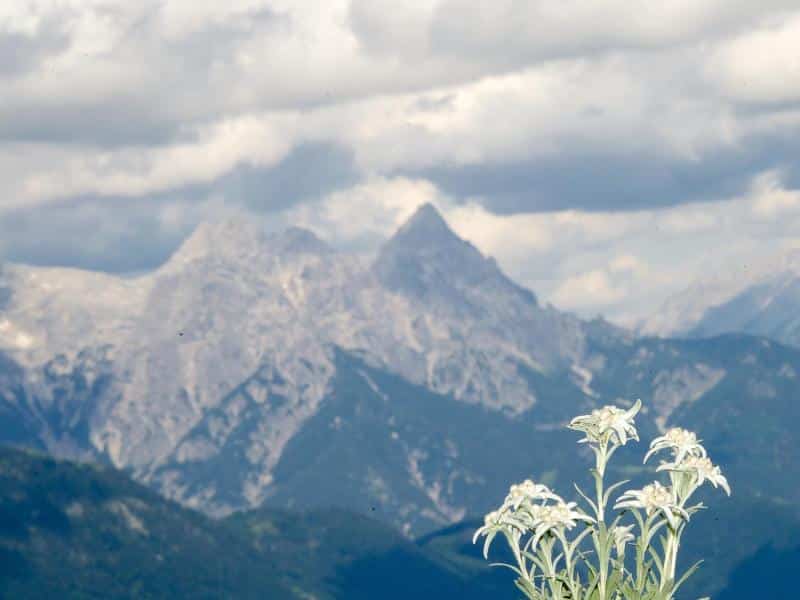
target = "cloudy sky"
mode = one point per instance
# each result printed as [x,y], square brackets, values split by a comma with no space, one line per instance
[606,152]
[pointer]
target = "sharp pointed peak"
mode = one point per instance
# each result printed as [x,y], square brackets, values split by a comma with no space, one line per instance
[425,257]
[428,212]
[428,220]
[425,228]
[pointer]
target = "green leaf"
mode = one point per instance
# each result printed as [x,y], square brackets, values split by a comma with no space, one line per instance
[535,560]
[527,588]
[612,488]
[686,575]
[512,567]
[657,561]
[585,497]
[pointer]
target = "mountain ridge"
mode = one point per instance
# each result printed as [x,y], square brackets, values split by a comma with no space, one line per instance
[760,299]
[206,379]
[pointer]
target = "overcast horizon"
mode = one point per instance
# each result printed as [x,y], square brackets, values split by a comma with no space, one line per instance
[605,156]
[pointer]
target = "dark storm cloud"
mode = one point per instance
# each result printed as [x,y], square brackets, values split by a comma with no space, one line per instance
[603,182]
[119,234]
[123,122]
[308,172]
[102,234]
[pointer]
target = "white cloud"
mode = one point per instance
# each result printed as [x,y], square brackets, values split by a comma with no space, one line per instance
[135,98]
[340,71]
[138,171]
[370,211]
[507,31]
[761,65]
[627,263]
[589,290]
[393,29]
[771,200]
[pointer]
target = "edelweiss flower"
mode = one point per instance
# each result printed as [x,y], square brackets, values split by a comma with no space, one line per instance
[528,491]
[622,535]
[545,518]
[653,498]
[703,470]
[608,423]
[529,517]
[683,443]
[501,521]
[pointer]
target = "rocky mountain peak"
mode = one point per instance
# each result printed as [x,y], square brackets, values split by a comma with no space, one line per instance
[426,259]
[230,238]
[241,240]
[425,227]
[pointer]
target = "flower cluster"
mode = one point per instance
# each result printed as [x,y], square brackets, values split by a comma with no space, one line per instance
[690,459]
[682,442]
[607,424]
[526,509]
[533,509]
[654,498]
[555,516]
[528,491]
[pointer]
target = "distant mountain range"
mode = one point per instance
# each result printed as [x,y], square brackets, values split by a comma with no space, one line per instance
[760,299]
[254,370]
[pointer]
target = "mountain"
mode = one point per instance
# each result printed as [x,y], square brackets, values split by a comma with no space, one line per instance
[83,531]
[70,530]
[426,260]
[273,370]
[761,299]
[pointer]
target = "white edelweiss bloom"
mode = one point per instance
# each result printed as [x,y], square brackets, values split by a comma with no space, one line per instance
[703,470]
[563,514]
[654,498]
[609,422]
[554,516]
[505,519]
[528,491]
[622,535]
[495,522]
[682,442]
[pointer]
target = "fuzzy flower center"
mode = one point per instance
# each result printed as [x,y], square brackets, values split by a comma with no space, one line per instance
[655,496]
[681,437]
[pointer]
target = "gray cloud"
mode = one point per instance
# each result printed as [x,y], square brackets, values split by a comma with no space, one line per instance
[112,235]
[602,182]
[305,175]
[21,53]
[164,114]
[109,122]
[172,83]
[119,234]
